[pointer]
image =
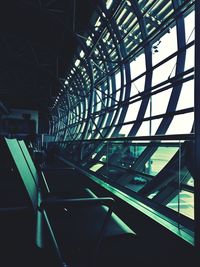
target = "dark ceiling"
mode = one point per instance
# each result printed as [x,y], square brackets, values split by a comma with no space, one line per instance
[36,47]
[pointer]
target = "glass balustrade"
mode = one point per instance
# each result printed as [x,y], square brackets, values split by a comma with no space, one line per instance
[158,173]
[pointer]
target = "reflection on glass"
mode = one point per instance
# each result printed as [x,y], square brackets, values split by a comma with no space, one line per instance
[124,154]
[136,183]
[191,182]
[96,167]
[183,203]
[159,159]
[103,158]
[153,195]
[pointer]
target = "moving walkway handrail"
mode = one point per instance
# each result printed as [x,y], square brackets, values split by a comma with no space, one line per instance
[73,203]
[76,202]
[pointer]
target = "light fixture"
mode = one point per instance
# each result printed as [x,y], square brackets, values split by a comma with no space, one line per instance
[98,22]
[88,42]
[109,3]
[77,62]
[82,54]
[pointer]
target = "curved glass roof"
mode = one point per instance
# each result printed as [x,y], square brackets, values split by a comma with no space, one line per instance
[133,76]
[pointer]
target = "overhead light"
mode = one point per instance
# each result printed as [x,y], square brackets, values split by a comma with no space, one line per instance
[82,54]
[88,42]
[109,3]
[98,22]
[77,62]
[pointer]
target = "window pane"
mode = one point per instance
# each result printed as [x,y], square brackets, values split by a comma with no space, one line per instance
[183,203]
[186,99]
[160,102]
[132,111]
[181,124]
[159,159]
[165,47]
[138,66]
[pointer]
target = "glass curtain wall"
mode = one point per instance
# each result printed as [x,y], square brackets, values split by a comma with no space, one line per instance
[133,76]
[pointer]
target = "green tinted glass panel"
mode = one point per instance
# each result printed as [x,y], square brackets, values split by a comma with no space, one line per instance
[96,167]
[159,159]
[183,203]
[23,169]
[29,160]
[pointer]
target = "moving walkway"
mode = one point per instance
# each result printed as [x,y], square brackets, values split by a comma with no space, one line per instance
[75,225]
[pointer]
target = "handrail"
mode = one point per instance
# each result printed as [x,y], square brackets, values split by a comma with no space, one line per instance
[76,202]
[73,203]
[172,137]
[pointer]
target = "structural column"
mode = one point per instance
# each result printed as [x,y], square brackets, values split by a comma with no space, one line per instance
[197,129]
